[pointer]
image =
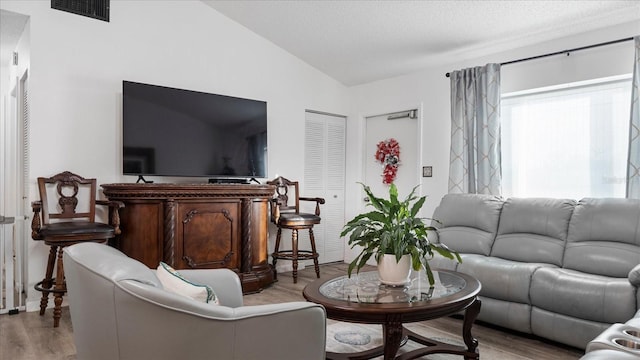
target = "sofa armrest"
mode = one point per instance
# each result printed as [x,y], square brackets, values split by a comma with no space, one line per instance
[275,309]
[634,276]
[433,236]
[224,282]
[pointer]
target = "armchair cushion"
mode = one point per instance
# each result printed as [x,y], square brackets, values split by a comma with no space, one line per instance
[174,282]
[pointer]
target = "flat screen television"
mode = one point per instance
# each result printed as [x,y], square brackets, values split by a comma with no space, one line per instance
[175,132]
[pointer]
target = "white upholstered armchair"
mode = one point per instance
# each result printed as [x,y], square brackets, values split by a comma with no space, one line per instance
[119,310]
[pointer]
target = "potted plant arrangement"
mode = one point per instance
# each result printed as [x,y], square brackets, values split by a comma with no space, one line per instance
[395,235]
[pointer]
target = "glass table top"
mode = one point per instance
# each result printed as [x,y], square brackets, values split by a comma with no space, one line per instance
[366,288]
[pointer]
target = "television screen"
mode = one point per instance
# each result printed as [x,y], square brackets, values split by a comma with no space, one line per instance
[174,132]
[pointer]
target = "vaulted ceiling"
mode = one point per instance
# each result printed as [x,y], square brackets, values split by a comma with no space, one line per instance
[357,42]
[11,27]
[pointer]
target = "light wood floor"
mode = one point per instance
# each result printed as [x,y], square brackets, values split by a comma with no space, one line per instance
[28,336]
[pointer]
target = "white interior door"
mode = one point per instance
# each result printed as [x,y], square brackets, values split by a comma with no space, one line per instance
[405,131]
[15,187]
[324,176]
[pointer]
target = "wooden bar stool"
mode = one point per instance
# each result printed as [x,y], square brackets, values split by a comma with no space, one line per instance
[64,223]
[287,216]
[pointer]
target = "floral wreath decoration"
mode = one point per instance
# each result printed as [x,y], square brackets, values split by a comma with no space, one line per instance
[388,154]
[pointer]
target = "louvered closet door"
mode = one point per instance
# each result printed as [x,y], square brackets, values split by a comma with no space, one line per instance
[324,176]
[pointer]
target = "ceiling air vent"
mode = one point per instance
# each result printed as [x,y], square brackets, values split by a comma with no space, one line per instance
[97,9]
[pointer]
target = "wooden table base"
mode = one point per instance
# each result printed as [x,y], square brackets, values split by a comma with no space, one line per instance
[396,335]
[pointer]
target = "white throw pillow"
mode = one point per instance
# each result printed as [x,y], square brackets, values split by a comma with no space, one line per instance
[172,281]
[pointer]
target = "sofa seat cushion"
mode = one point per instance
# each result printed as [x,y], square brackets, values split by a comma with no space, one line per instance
[585,296]
[501,279]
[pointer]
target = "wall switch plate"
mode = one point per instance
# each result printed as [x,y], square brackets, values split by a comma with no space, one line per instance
[427,171]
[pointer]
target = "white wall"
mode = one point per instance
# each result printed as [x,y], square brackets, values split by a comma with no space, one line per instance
[78,64]
[430,88]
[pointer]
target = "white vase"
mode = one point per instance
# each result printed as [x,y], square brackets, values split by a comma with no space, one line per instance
[392,272]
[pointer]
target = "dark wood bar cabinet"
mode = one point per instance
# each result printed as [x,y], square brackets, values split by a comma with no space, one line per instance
[197,226]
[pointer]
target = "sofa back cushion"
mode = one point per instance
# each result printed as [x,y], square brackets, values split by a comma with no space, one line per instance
[604,237]
[468,222]
[533,230]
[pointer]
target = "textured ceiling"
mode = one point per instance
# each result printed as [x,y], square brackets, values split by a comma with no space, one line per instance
[357,42]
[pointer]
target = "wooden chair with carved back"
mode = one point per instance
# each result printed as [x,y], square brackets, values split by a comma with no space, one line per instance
[66,215]
[286,214]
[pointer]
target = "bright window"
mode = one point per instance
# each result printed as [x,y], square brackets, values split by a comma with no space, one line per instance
[569,142]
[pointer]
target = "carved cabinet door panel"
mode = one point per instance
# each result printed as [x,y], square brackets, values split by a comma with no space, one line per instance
[142,231]
[208,235]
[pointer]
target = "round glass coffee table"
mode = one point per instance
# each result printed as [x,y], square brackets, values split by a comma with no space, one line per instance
[363,299]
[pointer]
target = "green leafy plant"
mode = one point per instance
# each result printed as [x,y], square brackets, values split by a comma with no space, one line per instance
[394,227]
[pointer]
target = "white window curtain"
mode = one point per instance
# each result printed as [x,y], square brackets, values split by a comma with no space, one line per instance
[633,166]
[566,142]
[475,165]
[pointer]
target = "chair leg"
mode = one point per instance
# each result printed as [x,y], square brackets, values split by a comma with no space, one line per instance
[275,251]
[60,290]
[315,253]
[47,282]
[294,254]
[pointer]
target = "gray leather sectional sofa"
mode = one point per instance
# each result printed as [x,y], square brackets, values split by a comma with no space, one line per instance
[561,269]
